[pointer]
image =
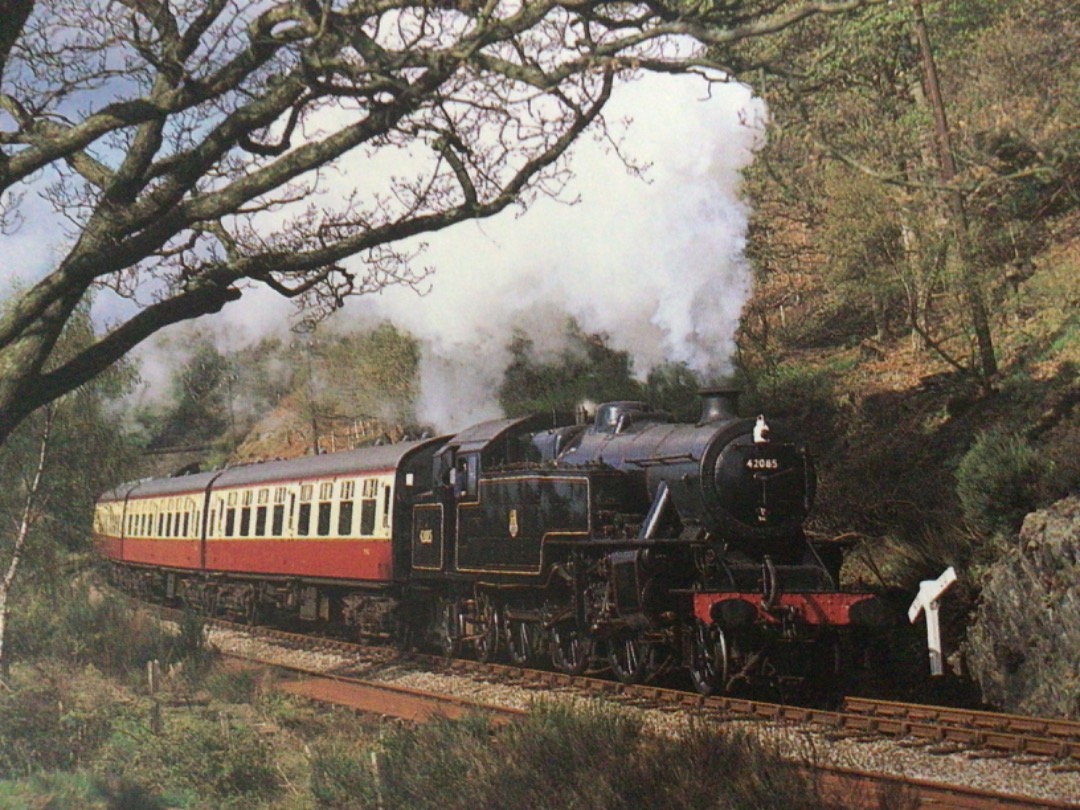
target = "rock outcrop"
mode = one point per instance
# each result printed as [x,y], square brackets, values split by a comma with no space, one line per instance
[1024,646]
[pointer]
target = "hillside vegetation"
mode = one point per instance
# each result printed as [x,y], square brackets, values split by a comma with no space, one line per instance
[873,268]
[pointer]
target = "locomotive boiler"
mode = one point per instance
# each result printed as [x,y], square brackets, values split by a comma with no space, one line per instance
[632,543]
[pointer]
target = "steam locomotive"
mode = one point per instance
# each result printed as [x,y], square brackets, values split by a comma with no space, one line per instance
[633,543]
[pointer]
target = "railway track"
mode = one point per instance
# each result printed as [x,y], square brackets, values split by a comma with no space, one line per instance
[372,697]
[1014,734]
[960,728]
[356,676]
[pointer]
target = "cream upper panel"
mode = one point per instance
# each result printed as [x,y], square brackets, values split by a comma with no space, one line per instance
[352,507]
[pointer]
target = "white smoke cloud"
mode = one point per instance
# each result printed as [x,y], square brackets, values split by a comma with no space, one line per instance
[657,265]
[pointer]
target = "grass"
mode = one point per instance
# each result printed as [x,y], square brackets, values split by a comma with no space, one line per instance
[75,737]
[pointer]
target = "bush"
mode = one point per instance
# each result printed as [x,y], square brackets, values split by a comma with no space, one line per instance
[232,687]
[340,779]
[558,757]
[51,720]
[81,626]
[791,390]
[200,756]
[999,481]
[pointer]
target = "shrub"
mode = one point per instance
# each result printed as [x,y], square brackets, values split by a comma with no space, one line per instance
[71,622]
[341,779]
[232,687]
[792,390]
[999,481]
[560,757]
[51,720]
[202,755]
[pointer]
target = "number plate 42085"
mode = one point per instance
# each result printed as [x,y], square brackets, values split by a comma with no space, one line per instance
[763,464]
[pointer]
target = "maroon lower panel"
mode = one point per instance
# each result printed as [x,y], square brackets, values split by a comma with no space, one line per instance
[333,559]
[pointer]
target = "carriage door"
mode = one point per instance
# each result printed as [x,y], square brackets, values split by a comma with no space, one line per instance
[433,517]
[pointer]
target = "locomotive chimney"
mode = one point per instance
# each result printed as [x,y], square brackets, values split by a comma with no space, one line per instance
[718,404]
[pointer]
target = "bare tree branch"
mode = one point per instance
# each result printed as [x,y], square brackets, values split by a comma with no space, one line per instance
[187,144]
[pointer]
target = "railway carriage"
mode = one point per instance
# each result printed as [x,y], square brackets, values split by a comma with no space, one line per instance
[314,535]
[633,543]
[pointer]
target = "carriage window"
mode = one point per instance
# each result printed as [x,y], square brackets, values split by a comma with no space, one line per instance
[245,521]
[264,496]
[279,520]
[345,514]
[324,518]
[187,524]
[367,517]
[326,491]
[260,520]
[387,492]
[230,522]
[306,491]
[279,495]
[304,521]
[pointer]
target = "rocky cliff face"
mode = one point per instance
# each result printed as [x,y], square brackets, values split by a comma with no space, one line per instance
[1024,646]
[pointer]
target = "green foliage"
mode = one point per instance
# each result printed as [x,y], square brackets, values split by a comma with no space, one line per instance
[585,369]
[862,241]
[341,779]
[199,400]
[78,791]
[791,389]
[72,622]
[49,722]
[210,756]
[86,454]
[201,756]
[232,687]
[999,481]
[846,194]
[559,757]
[673,387]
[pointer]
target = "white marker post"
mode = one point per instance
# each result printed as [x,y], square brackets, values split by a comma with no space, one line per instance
[930,592]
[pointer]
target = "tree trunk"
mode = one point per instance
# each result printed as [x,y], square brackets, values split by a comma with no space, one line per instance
[29,517]
[970,287]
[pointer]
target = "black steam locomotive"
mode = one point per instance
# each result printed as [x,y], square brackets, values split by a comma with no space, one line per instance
[632,543]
